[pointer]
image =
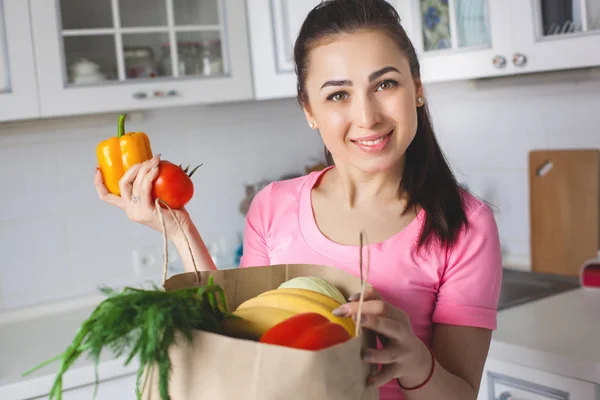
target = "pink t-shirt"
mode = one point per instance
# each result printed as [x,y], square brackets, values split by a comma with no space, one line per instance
[457,287]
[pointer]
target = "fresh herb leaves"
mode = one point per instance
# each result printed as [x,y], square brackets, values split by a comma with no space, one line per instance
[143,323]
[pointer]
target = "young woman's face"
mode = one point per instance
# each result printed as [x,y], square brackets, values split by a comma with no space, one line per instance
[363,99]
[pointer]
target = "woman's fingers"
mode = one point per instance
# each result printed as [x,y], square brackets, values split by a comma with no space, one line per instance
[385,355]
[137,189]
[369,307]
[382,377]
[388,327]
[126,182]
[378,316]
[146,186]
[370,294]
[103,192]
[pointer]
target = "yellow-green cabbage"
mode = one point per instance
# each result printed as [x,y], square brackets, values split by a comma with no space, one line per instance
[315,284]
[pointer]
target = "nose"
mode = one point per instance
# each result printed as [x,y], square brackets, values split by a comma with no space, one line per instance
[366,112]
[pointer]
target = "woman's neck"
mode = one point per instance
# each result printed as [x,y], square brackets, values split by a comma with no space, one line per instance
[356,188]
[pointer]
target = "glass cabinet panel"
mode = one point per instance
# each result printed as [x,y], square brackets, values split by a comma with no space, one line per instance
[90,58]
[454,24]
[150,13]
[560,17]
[142,53]
[122,40]
[86,14]
[199,53]
[193,12]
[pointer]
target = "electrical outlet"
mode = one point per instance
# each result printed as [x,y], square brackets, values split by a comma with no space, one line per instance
[148,260]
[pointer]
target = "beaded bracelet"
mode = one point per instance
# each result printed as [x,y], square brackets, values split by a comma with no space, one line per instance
[428,378]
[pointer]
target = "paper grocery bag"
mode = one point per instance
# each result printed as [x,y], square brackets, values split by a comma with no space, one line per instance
[216,367]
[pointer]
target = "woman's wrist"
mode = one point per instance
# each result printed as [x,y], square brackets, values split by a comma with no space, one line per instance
[420,369]
[193,244]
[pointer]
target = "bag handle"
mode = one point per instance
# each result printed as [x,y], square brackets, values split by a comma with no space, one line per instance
[363,281]
[166,242]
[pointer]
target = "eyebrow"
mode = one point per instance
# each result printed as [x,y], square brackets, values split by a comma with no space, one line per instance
[372,77]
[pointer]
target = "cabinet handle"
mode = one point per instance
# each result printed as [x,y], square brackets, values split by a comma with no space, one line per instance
[519,59]
[140,95]
[155,94]
[499,61]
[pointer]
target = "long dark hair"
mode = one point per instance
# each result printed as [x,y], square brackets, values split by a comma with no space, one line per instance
[427,179]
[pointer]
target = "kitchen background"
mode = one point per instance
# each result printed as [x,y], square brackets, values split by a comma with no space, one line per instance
[59,241]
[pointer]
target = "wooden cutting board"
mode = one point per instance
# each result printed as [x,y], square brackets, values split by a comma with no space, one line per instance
[564,190]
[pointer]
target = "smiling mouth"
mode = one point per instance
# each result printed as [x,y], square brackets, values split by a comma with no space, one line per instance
[373,142]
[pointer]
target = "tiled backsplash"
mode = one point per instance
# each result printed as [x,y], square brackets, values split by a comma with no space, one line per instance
[58,240]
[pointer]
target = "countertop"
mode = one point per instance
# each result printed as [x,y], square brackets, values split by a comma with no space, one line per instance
[558,334]
[29,338]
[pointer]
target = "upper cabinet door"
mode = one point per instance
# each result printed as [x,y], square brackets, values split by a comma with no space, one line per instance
[461,39]
[274,26]
[18,93]
[555,34]
[119,55]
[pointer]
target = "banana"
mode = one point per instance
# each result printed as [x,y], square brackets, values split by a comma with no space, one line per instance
[298,304]
[320,297]
[253,322]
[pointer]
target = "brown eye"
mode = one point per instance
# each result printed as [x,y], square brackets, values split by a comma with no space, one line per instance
[339,96]
[389,84]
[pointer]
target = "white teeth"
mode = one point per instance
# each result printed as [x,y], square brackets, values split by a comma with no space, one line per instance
[371,142]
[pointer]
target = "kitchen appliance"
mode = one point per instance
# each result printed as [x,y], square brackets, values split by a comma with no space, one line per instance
[564,189]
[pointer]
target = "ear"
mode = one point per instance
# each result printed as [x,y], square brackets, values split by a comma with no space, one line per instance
[419,96]
[309,117]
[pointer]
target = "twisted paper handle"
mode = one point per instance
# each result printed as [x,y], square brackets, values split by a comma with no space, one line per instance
[166,242]
[363,281]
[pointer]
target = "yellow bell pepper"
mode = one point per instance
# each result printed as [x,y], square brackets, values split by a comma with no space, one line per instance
[117,154]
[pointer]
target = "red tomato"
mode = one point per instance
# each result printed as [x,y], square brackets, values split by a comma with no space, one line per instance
[173,185]
[285,333]
[322,336]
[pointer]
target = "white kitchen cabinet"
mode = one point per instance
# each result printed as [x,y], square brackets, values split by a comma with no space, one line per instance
[122,388]
[508,381]
[460,39]
[554,35]
[18,91]
[121,55]
[273,27]
[457,39]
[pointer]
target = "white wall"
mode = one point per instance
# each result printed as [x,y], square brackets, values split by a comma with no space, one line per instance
[488,128]
[58,240]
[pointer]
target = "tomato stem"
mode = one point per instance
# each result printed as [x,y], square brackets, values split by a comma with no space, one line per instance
[194,170]
[121,125]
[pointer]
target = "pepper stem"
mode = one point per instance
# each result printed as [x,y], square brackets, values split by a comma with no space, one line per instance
[122,125]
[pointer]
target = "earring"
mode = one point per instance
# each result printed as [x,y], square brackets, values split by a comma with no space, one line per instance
[420,100]
[312,125]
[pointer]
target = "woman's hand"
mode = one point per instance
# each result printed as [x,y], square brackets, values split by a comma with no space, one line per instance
[136,197]
[403,355]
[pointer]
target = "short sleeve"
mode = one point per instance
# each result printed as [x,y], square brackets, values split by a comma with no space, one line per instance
[254,249]
[470,286]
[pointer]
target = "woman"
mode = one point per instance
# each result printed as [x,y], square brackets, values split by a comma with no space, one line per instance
[435,253]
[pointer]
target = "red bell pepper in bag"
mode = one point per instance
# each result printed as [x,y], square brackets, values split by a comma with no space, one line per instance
[308,331]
